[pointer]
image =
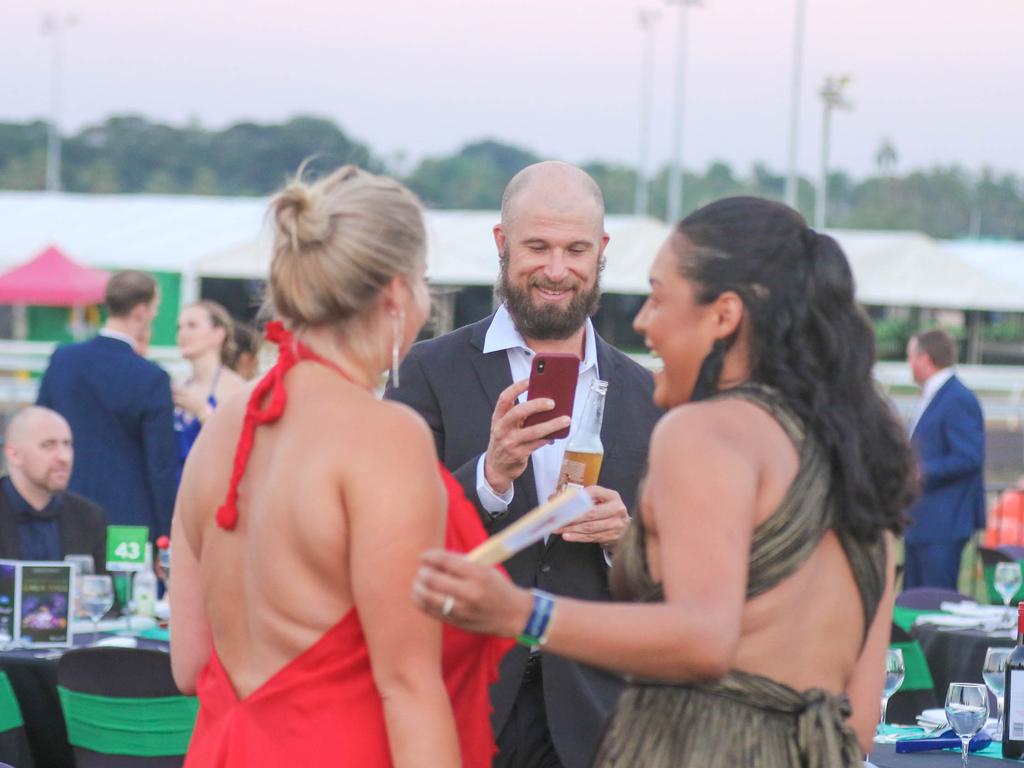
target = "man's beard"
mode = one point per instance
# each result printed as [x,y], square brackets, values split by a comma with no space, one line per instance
[547,321]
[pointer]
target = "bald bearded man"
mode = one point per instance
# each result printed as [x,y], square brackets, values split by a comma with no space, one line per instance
[470,386]
[39,518]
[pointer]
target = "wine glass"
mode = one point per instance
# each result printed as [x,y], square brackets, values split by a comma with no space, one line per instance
[97,596]
[1007,580]
[894,673]
[993,671]
[966,711]
[164,559]
[83,566]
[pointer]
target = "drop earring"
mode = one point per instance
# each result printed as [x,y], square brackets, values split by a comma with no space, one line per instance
[395,340]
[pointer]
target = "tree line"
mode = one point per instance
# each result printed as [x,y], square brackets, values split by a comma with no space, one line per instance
[130,154]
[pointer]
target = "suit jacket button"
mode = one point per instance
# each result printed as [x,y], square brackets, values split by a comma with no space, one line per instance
[545,568]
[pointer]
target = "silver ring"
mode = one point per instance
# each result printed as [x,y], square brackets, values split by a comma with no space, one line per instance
[447,605]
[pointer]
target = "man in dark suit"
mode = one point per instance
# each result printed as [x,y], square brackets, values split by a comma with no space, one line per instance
[39,518]
[120,411]
[948,434]
[470,387]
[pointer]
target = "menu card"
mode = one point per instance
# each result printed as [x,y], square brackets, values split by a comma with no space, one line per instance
[35,603]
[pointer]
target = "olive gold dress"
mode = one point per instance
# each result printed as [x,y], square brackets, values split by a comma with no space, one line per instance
[744,719]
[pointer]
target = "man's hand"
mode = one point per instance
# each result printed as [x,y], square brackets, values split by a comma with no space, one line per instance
[604,524]
[511,444]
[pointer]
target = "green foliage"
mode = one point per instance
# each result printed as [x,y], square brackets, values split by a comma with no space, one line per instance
[473,178]
[131,154]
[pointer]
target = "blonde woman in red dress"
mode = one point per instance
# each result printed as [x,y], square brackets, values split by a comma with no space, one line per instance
[304,507]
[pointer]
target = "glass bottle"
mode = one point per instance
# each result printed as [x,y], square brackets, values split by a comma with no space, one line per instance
[581,464]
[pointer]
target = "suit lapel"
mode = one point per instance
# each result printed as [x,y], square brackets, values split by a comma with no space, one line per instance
[934,405]
[492,369]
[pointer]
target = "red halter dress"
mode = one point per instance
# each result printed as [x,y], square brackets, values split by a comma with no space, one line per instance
[322,708]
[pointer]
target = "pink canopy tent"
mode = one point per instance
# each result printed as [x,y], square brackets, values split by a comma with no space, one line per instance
[52,279]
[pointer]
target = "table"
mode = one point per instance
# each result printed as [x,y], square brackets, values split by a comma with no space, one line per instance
[33,676]
[884,756]
[956,655]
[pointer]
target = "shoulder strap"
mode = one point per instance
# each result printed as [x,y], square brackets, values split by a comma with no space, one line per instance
[266,405]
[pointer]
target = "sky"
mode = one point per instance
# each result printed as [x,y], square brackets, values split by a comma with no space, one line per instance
[942,80]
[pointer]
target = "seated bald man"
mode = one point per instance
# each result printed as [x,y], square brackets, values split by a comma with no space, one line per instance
[39,518]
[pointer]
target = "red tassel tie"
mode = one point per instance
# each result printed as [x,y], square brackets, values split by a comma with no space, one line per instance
[256,413]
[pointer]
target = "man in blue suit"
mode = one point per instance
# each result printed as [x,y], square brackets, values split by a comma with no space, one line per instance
[948,434]
[119,407]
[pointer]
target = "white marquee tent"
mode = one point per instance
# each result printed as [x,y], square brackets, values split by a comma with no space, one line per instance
[226,237]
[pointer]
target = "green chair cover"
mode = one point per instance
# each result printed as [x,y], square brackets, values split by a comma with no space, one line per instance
[990,588]
[917,676]
[142,727]
[10,712]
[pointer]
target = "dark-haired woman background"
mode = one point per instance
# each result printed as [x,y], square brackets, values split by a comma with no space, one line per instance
[761,558]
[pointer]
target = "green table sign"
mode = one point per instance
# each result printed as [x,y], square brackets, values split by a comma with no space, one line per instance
[126,547]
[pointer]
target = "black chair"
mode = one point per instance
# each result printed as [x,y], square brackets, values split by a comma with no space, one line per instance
[928,598]
[1016,552]
[14,744]
[104,693]
[918,690]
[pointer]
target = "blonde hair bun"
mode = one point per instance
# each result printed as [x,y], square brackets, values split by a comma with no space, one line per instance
[338,241]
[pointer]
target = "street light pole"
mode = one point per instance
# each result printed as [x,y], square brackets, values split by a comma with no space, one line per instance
[832,98]
[675,176]
[646,19]
[794,105]
[54,27]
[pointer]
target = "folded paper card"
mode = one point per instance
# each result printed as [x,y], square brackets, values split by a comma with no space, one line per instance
[571,504]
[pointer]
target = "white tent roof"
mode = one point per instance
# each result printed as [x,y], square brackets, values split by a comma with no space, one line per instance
[908,269]
[226,237]
[157,232]
[461,251]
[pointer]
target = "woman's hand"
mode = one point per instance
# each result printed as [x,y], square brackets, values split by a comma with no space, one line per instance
[188,399]
[474,597]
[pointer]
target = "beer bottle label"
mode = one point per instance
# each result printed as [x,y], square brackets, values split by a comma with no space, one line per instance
[572,472]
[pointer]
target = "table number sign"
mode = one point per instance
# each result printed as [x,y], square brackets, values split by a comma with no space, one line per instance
[126,547]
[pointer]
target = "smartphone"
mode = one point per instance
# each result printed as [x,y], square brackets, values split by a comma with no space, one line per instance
[553,375]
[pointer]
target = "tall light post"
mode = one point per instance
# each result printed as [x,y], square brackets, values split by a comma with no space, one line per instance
[832,98]
[646,18]
[794,104]
[675,176]
[54,28]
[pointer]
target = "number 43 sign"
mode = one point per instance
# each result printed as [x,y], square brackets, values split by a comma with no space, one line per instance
[126,547]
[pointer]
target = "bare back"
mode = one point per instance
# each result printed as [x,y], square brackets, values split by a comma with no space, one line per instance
[273,585]
[808,630]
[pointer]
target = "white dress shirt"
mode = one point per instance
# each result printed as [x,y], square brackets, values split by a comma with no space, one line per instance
[547,460]
[119,336]
[929,389]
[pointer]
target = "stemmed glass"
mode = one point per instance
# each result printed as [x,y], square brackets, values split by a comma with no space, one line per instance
[993,672]
[1007,580]
[966,711]
[97,597]
[894,673]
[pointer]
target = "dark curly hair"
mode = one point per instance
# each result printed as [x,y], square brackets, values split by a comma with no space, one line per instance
[811,342]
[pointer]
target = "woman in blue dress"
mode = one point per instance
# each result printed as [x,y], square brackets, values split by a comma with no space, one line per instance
[206,340]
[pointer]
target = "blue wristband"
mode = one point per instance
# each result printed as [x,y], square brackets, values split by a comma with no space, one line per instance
[536,630]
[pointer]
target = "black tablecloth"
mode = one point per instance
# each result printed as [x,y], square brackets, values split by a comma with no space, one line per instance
[955,656]
[33,676]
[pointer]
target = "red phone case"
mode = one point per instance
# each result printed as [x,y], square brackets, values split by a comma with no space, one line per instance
[553,375]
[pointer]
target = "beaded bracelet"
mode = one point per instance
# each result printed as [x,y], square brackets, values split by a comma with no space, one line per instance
[536,630]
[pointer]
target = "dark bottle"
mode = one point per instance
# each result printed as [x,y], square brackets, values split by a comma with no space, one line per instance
[1013,695]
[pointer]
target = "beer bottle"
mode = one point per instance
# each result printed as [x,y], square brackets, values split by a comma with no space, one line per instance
[583,455]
